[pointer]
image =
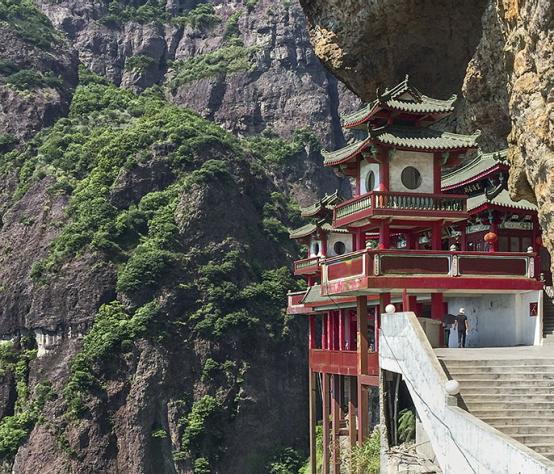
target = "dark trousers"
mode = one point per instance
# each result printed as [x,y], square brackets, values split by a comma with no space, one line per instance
[446,337]
[461,338]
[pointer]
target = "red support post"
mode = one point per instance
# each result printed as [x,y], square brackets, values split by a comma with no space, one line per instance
[363,365]
[342,324]
[413,304]
[335,424]
[405,300]
[330,330]
[312,331]
[384,234]
[383,173]
[324,331]
[436,237]
[325,409]
[437,173]
[377,326]
[384,300]
[437,308]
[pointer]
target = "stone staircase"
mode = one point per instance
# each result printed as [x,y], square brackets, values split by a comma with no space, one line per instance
[514,396]
[548,319]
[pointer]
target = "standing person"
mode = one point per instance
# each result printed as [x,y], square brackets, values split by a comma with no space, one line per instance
[462,326]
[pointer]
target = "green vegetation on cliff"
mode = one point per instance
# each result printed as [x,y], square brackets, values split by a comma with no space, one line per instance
[144,180]
[15,428]
[24,19]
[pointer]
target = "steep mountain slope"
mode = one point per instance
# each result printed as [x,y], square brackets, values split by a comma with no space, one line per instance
[143,248]
[246,64]
[144,251]
[38,72]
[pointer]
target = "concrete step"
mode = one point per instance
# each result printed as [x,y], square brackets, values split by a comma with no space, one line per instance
[514,429]
[502,369]
[529,439]
[515,405]
[507,376]
[542,447]
[524,422]
[530,397]
[489,382]
[470,390]
[490,362]
[515,413]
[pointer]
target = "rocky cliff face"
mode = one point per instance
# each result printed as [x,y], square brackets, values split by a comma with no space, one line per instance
[142,248]
[499,52]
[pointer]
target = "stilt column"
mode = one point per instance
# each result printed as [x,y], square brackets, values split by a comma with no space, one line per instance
[325,410]
[362,349]
[313,421]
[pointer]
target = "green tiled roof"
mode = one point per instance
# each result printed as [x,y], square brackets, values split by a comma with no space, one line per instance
[343,154]
[424,138]
[359,116]
[313,295]
[327,202]
[309,229]
[390,99]
[475,168]
[503,199]
[303,231]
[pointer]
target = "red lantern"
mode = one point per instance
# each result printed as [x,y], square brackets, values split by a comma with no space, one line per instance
[490,237]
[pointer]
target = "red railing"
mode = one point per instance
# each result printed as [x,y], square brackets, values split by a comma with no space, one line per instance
[307,266]
[379,202]
[341,362]
[347,270]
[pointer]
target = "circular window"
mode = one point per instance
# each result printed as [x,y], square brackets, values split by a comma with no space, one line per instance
[411,177]
[339,247]
[315,249]
[370,182]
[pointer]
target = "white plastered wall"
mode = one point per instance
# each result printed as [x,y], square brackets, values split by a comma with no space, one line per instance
[334,237]
[497,320]
[365,169]
[423,162]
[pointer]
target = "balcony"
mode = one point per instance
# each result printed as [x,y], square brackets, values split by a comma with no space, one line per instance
[342,362]
[376,270]
[307,266]
[357,211]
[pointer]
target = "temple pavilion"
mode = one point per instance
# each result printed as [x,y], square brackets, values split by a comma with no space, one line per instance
[430,226]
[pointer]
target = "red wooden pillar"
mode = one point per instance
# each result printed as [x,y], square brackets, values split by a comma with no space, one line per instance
[384,234]
[383,174]
[335,424]
[362,349]
[325,410]
[405,300]
[384,300]
[352,406]
[436,237]
[313,421]
[437,308]
[342,324]
[463,239]
[324,331]
[437,173]
[377,326]
[353,330]
[311,337]
[410,241]
[493,246]
[413,303]
[330,330]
